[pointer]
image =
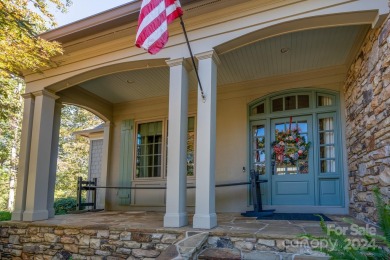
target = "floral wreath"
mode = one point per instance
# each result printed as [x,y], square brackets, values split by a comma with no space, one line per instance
[289,146]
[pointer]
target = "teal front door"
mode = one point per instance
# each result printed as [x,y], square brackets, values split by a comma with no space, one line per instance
[292,182]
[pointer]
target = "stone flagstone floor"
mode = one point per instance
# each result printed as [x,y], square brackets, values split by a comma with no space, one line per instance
[228,223]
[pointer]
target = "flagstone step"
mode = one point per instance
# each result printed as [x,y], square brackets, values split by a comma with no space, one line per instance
[187,248]
[220,253]
[234,254]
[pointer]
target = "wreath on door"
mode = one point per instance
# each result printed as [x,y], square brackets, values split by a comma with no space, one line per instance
[289,146]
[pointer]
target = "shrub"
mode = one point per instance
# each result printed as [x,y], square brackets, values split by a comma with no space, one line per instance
[64,205]
[5,215]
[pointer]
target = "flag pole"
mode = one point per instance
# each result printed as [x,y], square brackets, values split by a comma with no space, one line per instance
[193,59]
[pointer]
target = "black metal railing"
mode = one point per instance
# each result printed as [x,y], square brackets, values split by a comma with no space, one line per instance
[254,182]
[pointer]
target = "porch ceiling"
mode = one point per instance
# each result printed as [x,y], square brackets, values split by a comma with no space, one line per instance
[306,50]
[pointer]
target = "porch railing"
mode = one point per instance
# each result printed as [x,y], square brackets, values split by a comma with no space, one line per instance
[254,182]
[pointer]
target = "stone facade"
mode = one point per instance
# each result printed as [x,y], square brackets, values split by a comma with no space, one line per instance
[367,99]
[27,241]
[21,241]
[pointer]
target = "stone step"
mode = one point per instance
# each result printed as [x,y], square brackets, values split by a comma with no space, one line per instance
[186,248]
[234,254]
[220,253]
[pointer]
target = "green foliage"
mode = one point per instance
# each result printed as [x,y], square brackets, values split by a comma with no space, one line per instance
[23,50]
[73,155]
[5,215]
[64,205]
[369,245]
[10,127]
[4,189]
[383,211]
[20,23]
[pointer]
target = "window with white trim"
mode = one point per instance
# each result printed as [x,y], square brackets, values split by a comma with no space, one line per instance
[149,149]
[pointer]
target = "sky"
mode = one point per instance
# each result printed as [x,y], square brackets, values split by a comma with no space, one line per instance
[84,8]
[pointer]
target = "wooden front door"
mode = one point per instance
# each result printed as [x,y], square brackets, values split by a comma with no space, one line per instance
[293,183]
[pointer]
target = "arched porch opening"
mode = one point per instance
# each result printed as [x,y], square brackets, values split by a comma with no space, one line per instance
[80,153]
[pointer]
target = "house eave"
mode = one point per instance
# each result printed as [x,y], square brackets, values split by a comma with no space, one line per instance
[112,18]
[94,24]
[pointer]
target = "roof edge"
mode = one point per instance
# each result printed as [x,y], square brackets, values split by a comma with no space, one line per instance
[117,16]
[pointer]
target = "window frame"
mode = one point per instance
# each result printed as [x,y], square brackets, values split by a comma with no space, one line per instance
[164,152]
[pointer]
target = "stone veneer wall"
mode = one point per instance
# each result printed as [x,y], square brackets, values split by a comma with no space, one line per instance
[25,241]
[21,241]
[367,99]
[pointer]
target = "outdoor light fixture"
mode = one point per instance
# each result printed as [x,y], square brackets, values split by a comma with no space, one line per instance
[284,50]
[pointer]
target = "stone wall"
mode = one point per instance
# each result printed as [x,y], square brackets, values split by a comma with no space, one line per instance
[367,99]
[20,241]
[25,241]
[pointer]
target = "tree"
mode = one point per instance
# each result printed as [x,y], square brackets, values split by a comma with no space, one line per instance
[10,126]
[73,154]
[21,49]
[20,46]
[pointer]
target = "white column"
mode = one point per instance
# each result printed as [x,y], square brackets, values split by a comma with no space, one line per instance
[53,158]
[40,155]
[176,213]
[100,204]
[205,216]
[24,157]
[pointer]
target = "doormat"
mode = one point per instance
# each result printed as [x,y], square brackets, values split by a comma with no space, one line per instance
[295,216]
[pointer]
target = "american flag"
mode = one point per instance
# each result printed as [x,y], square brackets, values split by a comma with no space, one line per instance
[154,17]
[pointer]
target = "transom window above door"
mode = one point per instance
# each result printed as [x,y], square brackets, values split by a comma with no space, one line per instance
[292,102]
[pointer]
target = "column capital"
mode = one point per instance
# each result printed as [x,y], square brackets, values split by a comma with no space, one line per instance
[27,95]
[180,61]
[207,55]
[107,124]
[45,93]
[59,104]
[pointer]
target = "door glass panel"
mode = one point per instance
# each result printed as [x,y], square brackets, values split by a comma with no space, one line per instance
[277,104]
[303,166]
[280,127]
[258,148]
[327,148]
[327,152]
[289,150]
[328,166]
[303,101]
[324,101]
[258,109]
[302,127]
[290,102]
[327,138]
[326,124]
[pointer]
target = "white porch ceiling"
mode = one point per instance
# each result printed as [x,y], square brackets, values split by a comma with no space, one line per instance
[307,50]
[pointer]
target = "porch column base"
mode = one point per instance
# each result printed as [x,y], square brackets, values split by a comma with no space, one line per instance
[17,215]
[175,219]
[35,215]
[205,221]
[51,212]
